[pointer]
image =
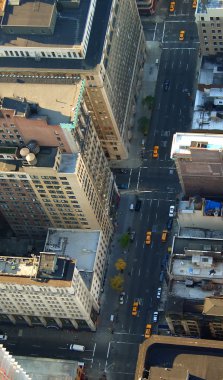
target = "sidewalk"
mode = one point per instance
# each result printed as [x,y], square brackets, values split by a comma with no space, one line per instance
[149,78]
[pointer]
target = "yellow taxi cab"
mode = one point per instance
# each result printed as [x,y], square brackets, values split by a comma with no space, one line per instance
[148,331]
[135,308]
[182,35]
[172,6]
[148,237]
[164,235]
[194,4]
[155,151]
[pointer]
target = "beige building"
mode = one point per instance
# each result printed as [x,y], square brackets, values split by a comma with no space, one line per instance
[109,55]
[50,189]
[30,112]
[58,287]
[209,20]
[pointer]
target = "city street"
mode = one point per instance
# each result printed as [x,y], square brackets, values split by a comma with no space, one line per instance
[113,349]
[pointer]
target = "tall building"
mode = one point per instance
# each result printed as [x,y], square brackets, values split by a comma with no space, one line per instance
[101,41]
[49,189]
[209,20]
[60,286]
[10,369]
[31,116]
[198,159]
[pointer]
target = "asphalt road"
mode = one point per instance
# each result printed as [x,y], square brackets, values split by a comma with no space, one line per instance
[114,348]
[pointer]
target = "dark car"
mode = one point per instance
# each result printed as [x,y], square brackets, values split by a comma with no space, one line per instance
[132,236]
[138,205]
[169,224]
[123,186]
[166,85]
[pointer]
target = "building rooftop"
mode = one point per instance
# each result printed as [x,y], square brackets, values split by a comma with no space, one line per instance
[80,245]
[68,163]
[182,245]
[69,28]
[58,106]
[28,13]
[18,266]
[94,50]
[196,267]
[48,369]
[44,159]
[213,306]
[183,143]
[204,6]
[44,270]
[200,357]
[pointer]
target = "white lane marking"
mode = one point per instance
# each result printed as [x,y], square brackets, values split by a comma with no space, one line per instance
[126,333]
[36,345]
[62,348]
[130,174]
[180,111]
[164,26]
[154,35]
[136,243]
[158,107]
[176,48]
[187,67]
[13,344]
[131,271]
[94,349]
[127,342]
[139,272]
[108,349]
[138,178]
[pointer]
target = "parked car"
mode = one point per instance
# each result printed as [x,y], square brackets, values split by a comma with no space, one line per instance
[166,85]
[155,316]
[122,186]
[148,330]
[169,224]
[171,211]
[158,294]
[131,207]
[161,276]
[132,236]
[138,205]
[121,298]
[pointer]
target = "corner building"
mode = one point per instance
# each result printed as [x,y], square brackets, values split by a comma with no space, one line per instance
[209,20]
[107,50]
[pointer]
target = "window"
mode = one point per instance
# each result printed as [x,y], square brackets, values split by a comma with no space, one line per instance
[202,18]
[213,31]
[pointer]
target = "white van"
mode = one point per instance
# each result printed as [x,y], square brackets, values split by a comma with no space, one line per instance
[3,337]
[77,347]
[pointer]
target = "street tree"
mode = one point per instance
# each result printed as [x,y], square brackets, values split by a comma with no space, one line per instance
[116,282]
[124,240]
[148,101]
[120,264]
[143,124]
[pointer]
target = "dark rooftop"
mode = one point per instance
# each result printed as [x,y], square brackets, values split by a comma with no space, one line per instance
[69,28]
[21,107]
[94,50]
[196,244]
[202,358]
[45,158]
